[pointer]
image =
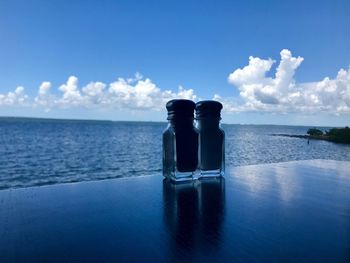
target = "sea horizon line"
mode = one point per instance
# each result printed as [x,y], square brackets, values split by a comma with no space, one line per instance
[145,121]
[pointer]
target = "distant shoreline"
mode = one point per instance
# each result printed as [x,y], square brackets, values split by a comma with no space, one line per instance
[18,118]
[71,120]
[336,138]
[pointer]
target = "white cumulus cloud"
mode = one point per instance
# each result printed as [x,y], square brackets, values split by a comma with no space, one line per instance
[259,91]
[281,93]
[143,94]
[44,97]
[136,93]
[17,97]
[71,93]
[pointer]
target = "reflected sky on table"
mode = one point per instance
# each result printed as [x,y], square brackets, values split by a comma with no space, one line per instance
[295,211]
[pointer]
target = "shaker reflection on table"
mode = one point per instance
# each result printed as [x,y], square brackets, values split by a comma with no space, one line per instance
[194,213]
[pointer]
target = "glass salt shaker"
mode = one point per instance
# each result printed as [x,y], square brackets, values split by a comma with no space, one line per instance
[211,139]
[180,142]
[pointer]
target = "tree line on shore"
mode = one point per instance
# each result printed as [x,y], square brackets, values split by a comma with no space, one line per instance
[341,135]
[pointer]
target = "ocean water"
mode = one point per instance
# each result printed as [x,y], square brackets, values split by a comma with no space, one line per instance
[39,152]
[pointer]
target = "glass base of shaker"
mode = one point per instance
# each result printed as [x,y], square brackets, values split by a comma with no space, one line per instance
[211,173]
[183,176]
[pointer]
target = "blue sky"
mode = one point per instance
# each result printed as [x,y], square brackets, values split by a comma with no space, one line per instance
[265,60]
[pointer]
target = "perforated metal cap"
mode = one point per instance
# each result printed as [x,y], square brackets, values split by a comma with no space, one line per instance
[180,108]
[208,108]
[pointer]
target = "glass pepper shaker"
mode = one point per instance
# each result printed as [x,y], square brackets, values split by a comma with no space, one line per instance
[180,142]
[211,139]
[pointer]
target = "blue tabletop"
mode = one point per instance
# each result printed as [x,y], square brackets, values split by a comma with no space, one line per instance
[284,212]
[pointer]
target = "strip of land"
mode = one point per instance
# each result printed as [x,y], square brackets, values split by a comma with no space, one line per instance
[338,135]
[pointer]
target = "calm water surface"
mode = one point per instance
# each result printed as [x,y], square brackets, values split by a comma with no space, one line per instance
[39,152]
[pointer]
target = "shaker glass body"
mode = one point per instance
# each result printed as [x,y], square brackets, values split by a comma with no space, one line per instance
[180,151]
[211,148]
